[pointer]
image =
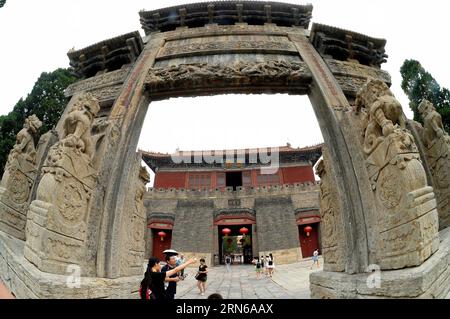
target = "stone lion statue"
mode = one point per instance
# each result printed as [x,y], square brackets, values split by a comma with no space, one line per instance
[384,112]
[77,124]
[433,128]
[25,140]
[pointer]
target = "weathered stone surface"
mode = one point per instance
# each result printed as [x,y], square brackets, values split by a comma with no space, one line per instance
[437,156]
[429,280]
[56,226]
[18,180]
[406,208]
[333,248]
[221,44]
[176,79]
[98,82]
[131,251]
[26,281]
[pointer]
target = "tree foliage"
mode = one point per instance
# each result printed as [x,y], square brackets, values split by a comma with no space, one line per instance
[418,85]
[2,3]
[46,100]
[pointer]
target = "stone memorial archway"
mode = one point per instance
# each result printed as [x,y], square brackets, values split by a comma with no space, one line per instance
[382,211]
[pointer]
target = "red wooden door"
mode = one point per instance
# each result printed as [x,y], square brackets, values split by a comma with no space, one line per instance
[160,245]
[311,242]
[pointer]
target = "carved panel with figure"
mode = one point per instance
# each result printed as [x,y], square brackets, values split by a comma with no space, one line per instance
[60,211]
[437,152]
[18,179]
[406,209]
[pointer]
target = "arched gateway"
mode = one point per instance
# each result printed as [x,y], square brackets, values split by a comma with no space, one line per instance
[376,207]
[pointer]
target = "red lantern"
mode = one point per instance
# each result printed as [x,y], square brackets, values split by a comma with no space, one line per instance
[162,235]
[226,231]
[307,230]
[243,231]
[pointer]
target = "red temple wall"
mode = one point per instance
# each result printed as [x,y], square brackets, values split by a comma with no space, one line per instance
[287,175]
[170,180]
[298,174]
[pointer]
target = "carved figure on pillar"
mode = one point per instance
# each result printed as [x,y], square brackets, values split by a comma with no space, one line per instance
[331,219]
[407,218]
[384,113]
[18,178]
[135,224]
[437,148]
[56,226]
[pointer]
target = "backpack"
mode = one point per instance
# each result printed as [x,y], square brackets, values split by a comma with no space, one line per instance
[270,263]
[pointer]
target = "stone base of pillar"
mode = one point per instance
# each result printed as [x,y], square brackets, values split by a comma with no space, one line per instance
[429,280]
[26,281]
[12,220]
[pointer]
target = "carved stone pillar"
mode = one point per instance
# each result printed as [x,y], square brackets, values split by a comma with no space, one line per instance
[18,180]
[134,224]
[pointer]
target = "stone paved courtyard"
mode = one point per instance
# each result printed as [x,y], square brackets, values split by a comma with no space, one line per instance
[288,282]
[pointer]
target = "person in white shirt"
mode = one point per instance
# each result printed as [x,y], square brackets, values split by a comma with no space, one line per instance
[315,259]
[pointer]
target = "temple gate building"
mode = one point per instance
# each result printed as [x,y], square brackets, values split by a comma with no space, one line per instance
[195,202]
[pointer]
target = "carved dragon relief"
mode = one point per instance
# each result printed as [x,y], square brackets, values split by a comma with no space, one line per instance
[239,73]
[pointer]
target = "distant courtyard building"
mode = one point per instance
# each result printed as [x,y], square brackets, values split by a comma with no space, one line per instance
[240,206]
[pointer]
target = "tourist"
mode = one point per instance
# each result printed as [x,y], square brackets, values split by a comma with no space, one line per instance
[181,260]
[266,266]
[152,286]
[228,262]
[215,296]
[4,292]
[170,282]
[258,267]
[315,258]
[202,276]
[270,265]
[263,264]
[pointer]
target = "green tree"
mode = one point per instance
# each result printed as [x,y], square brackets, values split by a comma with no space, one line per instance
[2,3]
[418,85]
[46,100]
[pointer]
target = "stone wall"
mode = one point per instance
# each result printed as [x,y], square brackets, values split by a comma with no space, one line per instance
[193,228]
[276,224]
[274,208]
